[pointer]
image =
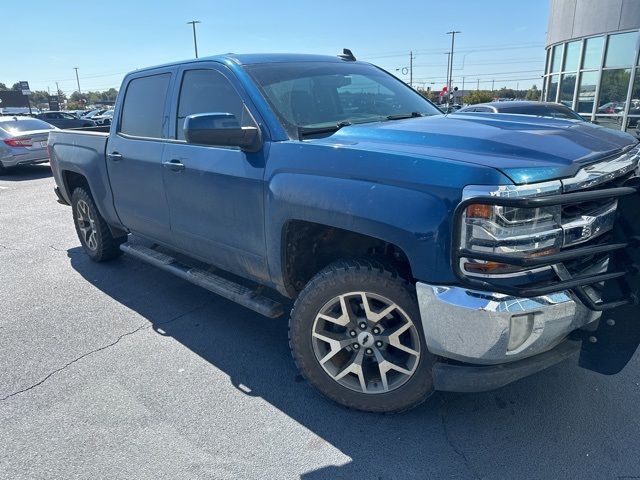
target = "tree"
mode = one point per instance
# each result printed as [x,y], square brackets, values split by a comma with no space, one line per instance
[3,86]
[505,92]
[478,96]
[533,93]
[16,86]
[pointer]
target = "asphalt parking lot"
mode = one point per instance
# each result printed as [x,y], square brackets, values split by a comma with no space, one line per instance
[122,371]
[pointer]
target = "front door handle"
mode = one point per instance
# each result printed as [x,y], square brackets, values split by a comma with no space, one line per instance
[114,156]
[174,165]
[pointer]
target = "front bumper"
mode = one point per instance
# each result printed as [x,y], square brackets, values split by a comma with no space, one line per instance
[475,327]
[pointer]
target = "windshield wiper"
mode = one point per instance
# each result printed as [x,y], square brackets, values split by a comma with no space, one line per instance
[307,131]
[401,116]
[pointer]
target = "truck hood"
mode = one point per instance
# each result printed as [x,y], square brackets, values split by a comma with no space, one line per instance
[526,149]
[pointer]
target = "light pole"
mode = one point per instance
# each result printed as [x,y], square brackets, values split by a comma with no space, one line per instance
[450,74]
[77,79]
[195,41]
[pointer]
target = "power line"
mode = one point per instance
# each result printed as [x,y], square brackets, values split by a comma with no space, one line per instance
[436,51]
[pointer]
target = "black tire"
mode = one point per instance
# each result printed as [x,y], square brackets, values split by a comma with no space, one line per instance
[351,276]
[103,246]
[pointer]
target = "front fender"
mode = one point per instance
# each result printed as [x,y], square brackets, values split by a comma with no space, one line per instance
[415,221]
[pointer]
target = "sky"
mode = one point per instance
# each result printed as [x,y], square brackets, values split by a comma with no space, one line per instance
[501,40]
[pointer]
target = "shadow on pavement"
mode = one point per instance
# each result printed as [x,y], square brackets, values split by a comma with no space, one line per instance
[539,423]
[26,172]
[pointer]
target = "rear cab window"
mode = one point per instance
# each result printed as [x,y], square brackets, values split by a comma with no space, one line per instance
[143,106]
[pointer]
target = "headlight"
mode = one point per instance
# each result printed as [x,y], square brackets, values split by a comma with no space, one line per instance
[508,230]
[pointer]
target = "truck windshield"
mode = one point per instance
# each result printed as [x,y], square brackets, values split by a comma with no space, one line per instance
[321,97]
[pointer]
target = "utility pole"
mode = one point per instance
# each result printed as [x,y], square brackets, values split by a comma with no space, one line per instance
[195,41]
[77,79]
[411,57]
[478,85]
[453,39]
[448,54]
[492,85]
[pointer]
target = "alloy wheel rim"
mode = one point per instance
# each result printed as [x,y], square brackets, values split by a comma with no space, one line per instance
[86,225]
[366,342]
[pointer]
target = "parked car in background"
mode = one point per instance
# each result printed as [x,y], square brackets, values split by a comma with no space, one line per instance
[65,120]
[449,108]
[611,108]
[23,140]
[536,109]
[104,119]
[94,113]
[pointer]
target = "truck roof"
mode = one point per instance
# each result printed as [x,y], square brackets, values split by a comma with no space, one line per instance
[251,58]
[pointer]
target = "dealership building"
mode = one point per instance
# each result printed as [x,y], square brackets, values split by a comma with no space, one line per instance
[593,62]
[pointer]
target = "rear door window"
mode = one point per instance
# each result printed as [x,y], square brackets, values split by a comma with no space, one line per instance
[143,107]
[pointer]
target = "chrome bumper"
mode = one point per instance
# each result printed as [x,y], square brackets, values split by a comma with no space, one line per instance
[476,327]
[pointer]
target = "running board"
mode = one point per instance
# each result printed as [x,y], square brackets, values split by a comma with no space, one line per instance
[214,283]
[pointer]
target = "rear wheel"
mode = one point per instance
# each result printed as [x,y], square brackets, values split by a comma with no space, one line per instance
[92,230]
[355,335]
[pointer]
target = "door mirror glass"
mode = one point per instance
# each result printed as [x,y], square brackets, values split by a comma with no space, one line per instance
[222,130]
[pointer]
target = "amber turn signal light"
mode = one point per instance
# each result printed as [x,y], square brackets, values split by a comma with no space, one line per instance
[478,210]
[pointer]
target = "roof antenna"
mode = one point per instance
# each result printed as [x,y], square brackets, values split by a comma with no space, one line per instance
[347,55]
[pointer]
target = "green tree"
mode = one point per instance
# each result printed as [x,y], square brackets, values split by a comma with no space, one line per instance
[16,86]
[533,93]
[478,96]
[505,92]
[3,86]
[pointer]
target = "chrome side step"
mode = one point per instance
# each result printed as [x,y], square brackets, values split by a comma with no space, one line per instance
[214,283]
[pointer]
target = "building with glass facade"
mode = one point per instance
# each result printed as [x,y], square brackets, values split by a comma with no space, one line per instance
[593,60]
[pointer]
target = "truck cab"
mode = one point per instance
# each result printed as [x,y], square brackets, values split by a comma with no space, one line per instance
[423,251]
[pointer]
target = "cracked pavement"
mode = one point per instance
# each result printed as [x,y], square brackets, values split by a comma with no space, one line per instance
[122,371]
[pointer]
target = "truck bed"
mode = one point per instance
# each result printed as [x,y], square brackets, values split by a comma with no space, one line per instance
[82,152]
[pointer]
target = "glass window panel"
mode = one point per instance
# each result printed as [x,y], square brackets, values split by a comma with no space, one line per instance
[143,108]
[613,91]
[207,91]
[553,88]
[587,92]
[593,52]
[621,50]
[567,87]
[555,59]
[633,123]
[572,56]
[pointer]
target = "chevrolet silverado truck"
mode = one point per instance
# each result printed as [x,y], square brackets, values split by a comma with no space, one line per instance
[424,251]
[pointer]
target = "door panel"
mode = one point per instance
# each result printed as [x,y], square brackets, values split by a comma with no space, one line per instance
[216,201]
[216,206]
[136,181]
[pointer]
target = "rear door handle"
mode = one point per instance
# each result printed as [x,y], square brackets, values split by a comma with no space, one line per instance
[174,165]
[114,156]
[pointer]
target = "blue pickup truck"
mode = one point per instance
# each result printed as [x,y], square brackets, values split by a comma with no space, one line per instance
[424,251]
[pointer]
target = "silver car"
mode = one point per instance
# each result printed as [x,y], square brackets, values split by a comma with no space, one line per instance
[23,140]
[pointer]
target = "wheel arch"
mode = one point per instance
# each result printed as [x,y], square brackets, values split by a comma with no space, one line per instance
[413,223]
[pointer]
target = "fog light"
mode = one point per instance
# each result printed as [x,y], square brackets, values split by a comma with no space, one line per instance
[520,329]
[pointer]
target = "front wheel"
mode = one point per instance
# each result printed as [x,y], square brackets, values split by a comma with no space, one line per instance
[355,335]
[92,230]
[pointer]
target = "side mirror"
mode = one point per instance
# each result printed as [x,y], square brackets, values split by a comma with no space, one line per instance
[222,130]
